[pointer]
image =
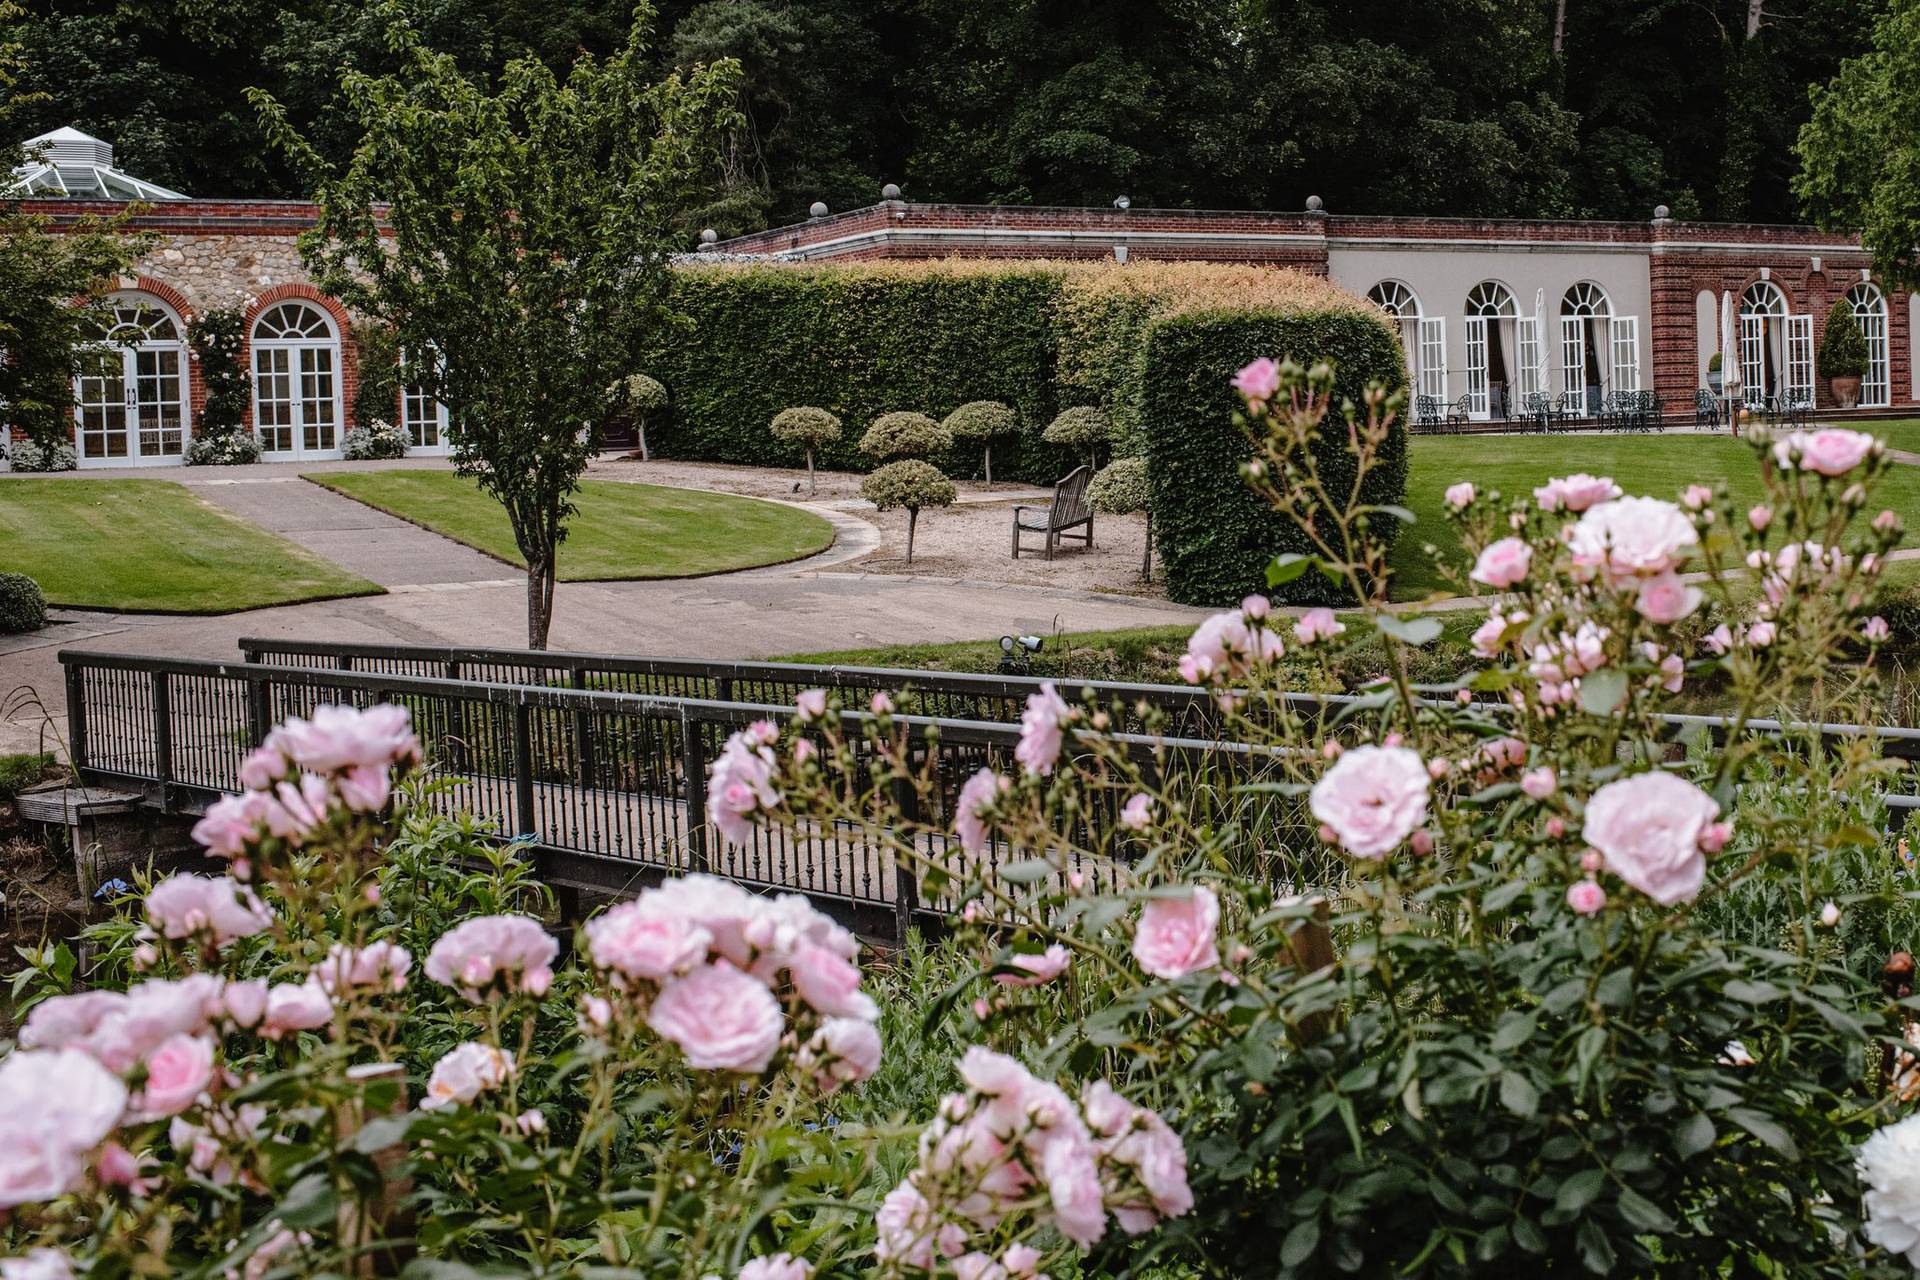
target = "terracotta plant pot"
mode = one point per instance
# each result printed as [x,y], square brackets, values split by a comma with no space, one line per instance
[1846,391]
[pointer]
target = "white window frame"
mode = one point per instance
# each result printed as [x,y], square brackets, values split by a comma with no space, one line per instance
[296,354]
[1433,357]
[1799,375]
[1528,342]
[1870,311]
[1573,358]
[133,354]
[1624,339]
[1479,403]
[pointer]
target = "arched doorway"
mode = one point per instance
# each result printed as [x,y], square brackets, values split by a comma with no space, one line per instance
[1491,313]
[1586,313]
[1776,346]
[1422,340]
[296,381]
[130,403]
[1870,311]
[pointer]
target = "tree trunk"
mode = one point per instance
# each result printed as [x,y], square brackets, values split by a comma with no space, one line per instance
[913,518]
[811,488]
[641,425]
[539,599]
[1146,556]
[1756,10]
[986,456]
[1559,27]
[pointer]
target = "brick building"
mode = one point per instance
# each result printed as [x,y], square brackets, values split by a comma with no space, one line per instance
[1490,311]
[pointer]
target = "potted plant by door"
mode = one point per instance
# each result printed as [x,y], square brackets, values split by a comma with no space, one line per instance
[1715,378]
[1843,355]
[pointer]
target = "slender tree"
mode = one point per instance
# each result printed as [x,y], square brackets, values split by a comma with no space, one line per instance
[517,242]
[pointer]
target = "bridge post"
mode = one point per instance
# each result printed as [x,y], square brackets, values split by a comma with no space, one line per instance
[584,762]
[693,768]
[259,720]
[76,720]
[906,884]
[163,738]
[523,823]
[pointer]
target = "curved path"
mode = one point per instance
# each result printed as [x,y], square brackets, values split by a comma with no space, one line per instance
[441,592]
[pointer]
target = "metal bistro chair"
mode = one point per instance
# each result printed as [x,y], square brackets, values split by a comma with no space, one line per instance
[1796,408]
[1428,415]
[1573,407]
[1069,510]
[1706,409]
[1461,413]
[1537,407]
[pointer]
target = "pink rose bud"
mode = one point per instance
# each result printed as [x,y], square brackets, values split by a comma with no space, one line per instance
[1556,827]
[1331,750]
[1438,767]
[811,703]
[145,956]
[1586,897]
[1326,833]
[1760,516]
[373,893]
[531,1121]
[597,1011]
[1075,880]
[117,1166]
[1240,953]
[1463,697]
[1591,860]
[1696,497]
[1830,914]
[982,1010]
[1886,522]
[1877,630]
[1540,783]
[881,705]
[1714,838]
[1460,496]
[1761,634]
[1394,740]
[1256,607]
[1421,842]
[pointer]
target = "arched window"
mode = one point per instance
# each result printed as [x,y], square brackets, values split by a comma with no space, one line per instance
[296,381]
[1395,299]
[1776,347]
[1585,316]
[1491,312]
[1870,310]
[1422,340]
[130,396]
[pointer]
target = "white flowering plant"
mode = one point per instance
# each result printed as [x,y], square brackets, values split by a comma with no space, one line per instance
[1417,983]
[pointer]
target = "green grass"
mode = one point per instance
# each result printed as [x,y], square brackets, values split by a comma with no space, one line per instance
[151,546]
[1659,466]
[1899,433]
[619,531]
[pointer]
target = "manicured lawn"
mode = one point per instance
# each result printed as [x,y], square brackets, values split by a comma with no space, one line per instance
[1659,466]
[151,546]
[1899,433]
[619,531]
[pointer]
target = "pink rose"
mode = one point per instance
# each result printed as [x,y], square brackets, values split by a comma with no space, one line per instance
[968,823]
[1760,516]
[1540,783]
[465,1072]
[1876,631]
[739,785]
[1673,673]
[881,704]
[1021,1260]
[777,1266]
[365,788]
[1372,799]
[721,907]
[1037,969]
[1576,492]
[1503,564]
[232,823]
[1137,813]
[1176,935]
[1041,730]
[1666,599]
[811,703]
[37,1264]
[339,738]
[905,1228]
[303,1006]
[1489,638]
[1257,382]
[378,966]
[244,1003]
[512,950]
[1696,497]
[721,1019]
[178,1072]
[1586,897]
[1761,634]
[1648,828]
[1142,1162]
[1829,451]
[1720,639]
[1632,537]
[1317,624]
[61,1022]
[841,1051]
[56,1105]
[830,983]
[1886,522]
[633,941]
[215,908]
[1229,646]
[1460,496]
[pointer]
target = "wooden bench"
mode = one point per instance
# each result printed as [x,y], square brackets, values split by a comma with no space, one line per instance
[1068,511]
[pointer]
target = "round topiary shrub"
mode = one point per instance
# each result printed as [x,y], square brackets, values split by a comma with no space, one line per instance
[905,435]
[1843,348]
[808,426]
[230,448]
[982,420]
[645,396]
[1120,488]
[379,441]
[22,607]
[912,484]
[1081,427]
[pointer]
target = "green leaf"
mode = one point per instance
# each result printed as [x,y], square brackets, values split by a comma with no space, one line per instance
[1401,514]
[1026,871]
[1287,566]
[1596,1251]
[1695,1134]
[1415,631]
[1579,1190]
[1300,1243]
[1603,692]
[1765,1128]
[1749,992]
[309,1203]
[1515,1029]
[1642,1212]
[1517,1093]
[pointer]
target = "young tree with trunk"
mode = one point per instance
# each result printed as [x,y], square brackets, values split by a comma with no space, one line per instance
[982,420]
[808,427]
[517,242]
[912,484]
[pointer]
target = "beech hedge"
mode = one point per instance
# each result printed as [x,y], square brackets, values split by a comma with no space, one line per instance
[1215,537]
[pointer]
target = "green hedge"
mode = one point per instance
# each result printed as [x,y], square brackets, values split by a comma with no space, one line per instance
[858,343]
[1214,536]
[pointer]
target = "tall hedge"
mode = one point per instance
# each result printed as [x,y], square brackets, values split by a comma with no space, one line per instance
[1215,537]
[858,342]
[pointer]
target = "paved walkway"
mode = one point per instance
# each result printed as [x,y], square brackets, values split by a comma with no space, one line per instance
[441,592]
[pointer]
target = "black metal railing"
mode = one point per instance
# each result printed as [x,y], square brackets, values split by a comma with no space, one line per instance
[608,788]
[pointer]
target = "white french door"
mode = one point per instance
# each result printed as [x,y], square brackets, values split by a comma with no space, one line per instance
[425,421]
[296,401]
[130,406]
[1625,338]
[1800,357]
[1433,357]
[1479,404]
[1530,362]
[1876,389]
[1753,359]
[1573,357]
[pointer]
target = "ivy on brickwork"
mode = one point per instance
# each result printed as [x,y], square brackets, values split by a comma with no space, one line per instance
[377,398]
[216,337]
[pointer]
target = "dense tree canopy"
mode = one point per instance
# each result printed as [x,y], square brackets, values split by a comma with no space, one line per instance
[1544,107]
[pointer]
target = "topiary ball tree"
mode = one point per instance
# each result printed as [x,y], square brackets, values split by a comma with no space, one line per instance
[22,607]
[905,435]
[1119,489]
[1843,348]
[644,396]
[807,426]
[1081,427]
[912,484]
[982,420]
